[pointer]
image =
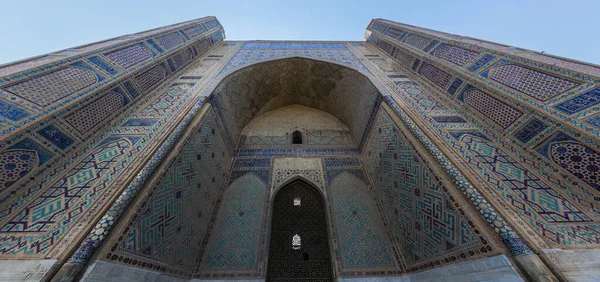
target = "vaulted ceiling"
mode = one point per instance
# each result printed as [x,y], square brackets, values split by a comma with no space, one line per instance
[262,87]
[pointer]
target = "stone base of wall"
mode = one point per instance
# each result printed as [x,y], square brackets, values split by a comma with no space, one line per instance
[108,272]
[24,270]
[575,265]
[496,268]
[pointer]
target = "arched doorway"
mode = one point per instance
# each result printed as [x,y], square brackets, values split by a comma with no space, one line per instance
[299,247]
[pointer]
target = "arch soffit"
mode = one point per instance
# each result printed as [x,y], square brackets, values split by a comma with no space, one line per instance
[226,77]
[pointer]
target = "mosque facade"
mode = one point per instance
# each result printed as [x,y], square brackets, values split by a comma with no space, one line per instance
[415,155]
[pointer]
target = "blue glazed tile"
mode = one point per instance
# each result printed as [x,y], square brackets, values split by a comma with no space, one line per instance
[595,121]
[448,119]
[530,130]
[480,63]
[252,163]
[11,111]
[28,144]
[103,65]
[454,86]
[292,45]
[153,44]
[341,162]
[56,136]
[131,89]
[140,122]
[581,102]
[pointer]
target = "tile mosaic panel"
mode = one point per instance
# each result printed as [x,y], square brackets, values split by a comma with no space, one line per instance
[530,130]
[494,109]
[56,136]
[130,56]
[16,164]
[362,242]
[581,102]
[173,219]
[182,59]
[595,121]
[170,41]
[421,214]
[70,192]
[454,86]
[480,63]
[579,159]
[99,62]
[526,191]
[236,236]
[449,119]
[94,113]
[534,83]
[48,88]
[416,41]
[11,111]
[194,31]
[454,54]
[148,79]
[315,176]
[435,75]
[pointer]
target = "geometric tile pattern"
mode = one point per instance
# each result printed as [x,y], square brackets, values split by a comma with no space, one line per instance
[146,80]
[595,121]
[314,176]
[51,87]
[235,239]
[130,56]
[580,160]
[454,86]
[435,75]
[449,119]
[194,31]
[541,233]
[530,130]
[416,41]
[581,102]
[494,109]
[11,111]
[422,217]
[69,193]
[170,41]
[182,59]
[480,63]
[362,242]
[14,165]
[56,136]
[534,83]
[455,54]
[43,185]
[95,112]
[173,219]
[523,189]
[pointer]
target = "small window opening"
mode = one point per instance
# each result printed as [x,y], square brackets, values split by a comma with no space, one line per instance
[297,137]
[306,256]
[297,202]
[296,242]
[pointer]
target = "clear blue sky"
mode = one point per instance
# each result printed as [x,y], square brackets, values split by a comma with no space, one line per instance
[568,28]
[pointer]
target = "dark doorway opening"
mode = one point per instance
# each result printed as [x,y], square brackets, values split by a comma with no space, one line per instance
[299,247]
